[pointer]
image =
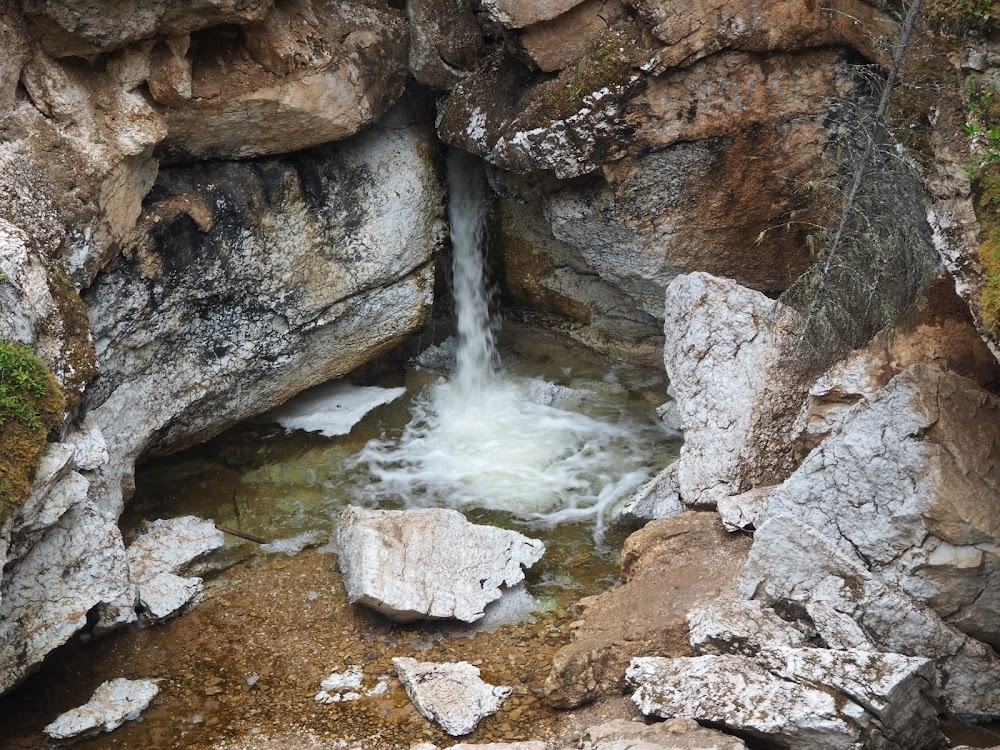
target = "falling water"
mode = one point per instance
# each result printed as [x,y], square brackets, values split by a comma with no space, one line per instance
[488,439]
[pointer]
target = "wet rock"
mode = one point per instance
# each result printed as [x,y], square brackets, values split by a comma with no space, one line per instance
[658,498]
[669,567]
[445,41]
[311,72]
[553,45]
[452,695]
[673,734]
[112,704]
[793,564]
[797,697]
[331,409]
[907,483]
[429,563]
[727,355]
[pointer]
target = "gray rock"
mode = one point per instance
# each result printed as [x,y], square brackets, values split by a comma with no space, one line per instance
[112,704]
[745,510]
[429,563]
[169,545]
[673,734]
[791,562]
[907,483]
[452,695]
[740,627]
[658,498]
[445,41]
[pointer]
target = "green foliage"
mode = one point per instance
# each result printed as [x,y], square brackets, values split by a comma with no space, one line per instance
[959,16]
[31,403]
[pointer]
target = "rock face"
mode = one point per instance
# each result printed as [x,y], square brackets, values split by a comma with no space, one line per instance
[908,484]
[290,267]
[112,704]
[729,357]
[311,72]
[791,563]
[799,697]
[430,563]
[669,567]
[445,41]
[452,695]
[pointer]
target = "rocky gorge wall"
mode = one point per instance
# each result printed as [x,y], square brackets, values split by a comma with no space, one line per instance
[207,208]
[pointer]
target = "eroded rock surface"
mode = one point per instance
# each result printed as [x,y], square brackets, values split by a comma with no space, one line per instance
[907,483]
[453,695]
[669,567]
[112,704]
[429,563]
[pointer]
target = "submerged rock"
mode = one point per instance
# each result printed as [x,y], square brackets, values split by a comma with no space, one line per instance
[452,694]
[669,567]
[331,409]
[112,704]
[429,563]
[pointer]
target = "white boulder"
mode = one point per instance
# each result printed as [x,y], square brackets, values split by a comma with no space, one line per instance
[112,704]
[429,563]
[453,695]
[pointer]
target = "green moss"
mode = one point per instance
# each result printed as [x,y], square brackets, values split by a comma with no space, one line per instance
[959,16]
[31,404]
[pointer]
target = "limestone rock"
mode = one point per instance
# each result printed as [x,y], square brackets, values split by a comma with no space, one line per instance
[452,695]
[799,697]
[736,626]
[552,45]
[445,41]
[112,704]
[78,563]
[792,563]
[164,595]
[429,563]
[658,498]
[908,484]
[311,72]
[169,545]
[518,13]
[81,28]
[673,734]
[728,355]
[299,269]
[669,567]
[743,511]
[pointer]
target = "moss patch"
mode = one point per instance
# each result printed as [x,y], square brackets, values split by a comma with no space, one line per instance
[959,16]
[81,361]
[31,404]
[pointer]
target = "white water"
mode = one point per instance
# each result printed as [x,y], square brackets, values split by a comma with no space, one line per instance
[484,438]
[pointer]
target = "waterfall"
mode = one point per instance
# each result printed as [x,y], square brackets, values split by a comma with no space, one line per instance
[476,354]
[486,438]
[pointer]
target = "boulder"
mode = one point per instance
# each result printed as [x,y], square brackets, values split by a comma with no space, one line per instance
[518,13]
[452,694]
[743,511]
[552,45]
[793,566]
[445,41]
[658,498]
[673,734]
[668,567]
[908,484]
[112,704]
[729,355]
[736,626]
[311,72]
[429,563]
[798,697]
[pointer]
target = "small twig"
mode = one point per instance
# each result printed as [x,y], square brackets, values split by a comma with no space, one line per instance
[242,534]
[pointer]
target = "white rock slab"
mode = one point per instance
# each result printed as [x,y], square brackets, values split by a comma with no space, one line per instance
[164,595]
[112,704]
[735,692]
[738,626]
[169,545]
[332,409]
[452,694]
[429,563]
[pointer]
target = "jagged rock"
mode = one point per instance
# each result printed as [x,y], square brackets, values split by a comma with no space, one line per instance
[112,704]
[798,697]
[791,562]
[729,357]
[300,269]
[658,498]
[669,567]
[164,595]
[84,29]
[168,546]
[743,511]
[518,13]
[736,626]
[552,45]
[311,72]
[452,695]
[908,484]
[429,563]
[445,41]
[673,734]
[78,563]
